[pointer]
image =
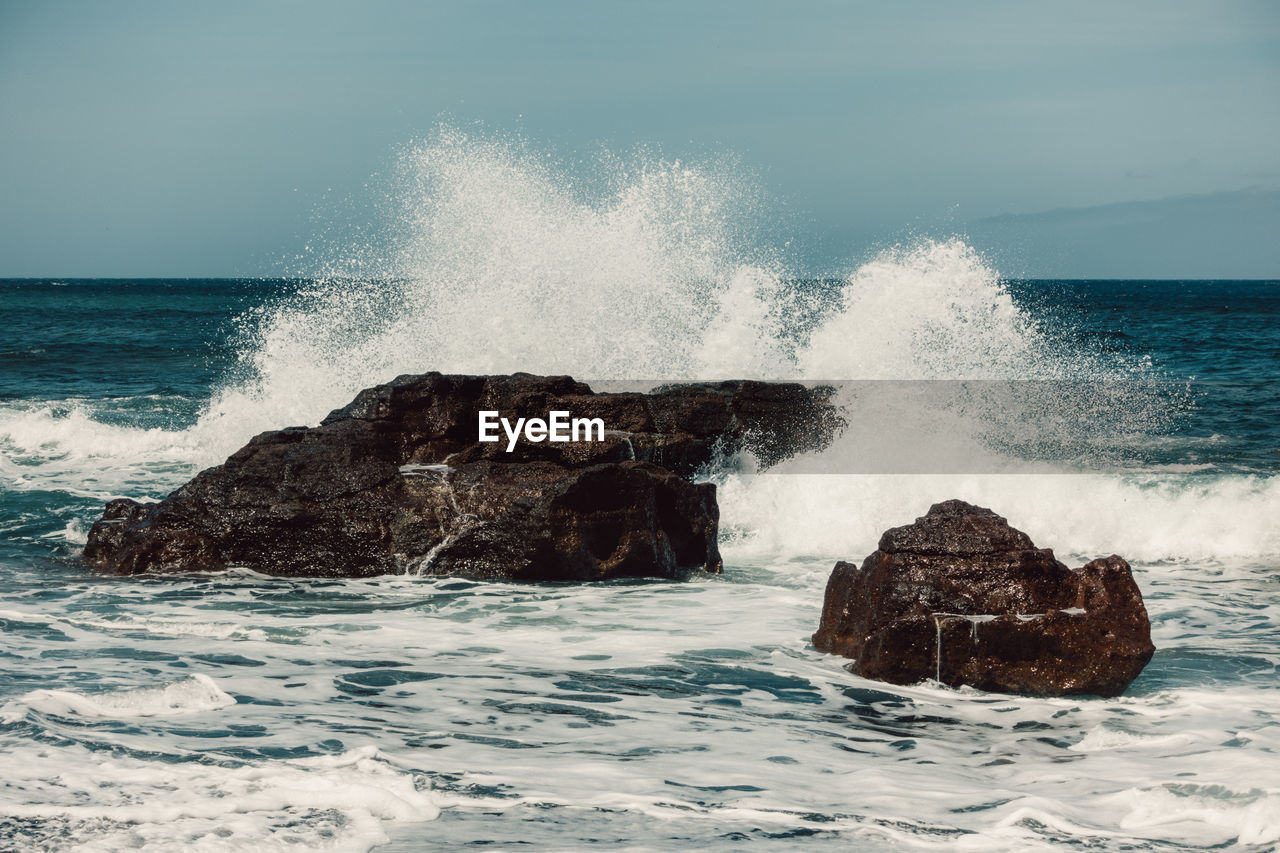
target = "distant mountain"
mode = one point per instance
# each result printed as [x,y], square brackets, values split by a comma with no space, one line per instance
[1214,235]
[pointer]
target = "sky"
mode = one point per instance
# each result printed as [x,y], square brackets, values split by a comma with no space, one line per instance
[1072,139]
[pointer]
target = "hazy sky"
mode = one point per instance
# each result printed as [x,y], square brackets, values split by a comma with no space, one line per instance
[202,138]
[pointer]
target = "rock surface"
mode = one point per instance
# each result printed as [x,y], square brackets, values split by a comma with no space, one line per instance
[962,597]
[396,482]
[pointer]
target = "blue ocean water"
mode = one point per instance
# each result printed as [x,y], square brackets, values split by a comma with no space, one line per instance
[236,711]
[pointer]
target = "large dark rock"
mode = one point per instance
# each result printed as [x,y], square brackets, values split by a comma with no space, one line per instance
[962,597]
[397,481]
[433,417]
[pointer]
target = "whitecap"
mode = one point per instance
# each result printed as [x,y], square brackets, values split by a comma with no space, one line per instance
[192,695]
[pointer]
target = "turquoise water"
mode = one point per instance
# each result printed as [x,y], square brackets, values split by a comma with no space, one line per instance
[235,711]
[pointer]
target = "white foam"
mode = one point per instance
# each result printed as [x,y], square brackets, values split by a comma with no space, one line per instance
[1102,738]
[192,695]
[1204,815]
[1143,518]
[339,802]
[560,714]
[76,532]
[178,625]
[47,446]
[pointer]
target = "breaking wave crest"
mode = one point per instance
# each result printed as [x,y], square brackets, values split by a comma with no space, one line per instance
[498,261]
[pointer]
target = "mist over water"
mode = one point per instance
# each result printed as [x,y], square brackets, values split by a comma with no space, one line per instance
[499,260]
[236,711]
[494,258]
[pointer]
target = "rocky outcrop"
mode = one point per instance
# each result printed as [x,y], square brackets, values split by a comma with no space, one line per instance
[398,482]
[961,597]
[680,427]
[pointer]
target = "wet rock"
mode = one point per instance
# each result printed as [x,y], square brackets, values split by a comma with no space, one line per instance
[962,597]
[544,522]
[680,427]
[396,481]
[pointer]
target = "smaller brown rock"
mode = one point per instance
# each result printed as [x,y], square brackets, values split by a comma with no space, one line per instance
[962,597]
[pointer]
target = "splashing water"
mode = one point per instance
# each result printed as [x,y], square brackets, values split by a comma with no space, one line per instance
[498,263]
[493,257]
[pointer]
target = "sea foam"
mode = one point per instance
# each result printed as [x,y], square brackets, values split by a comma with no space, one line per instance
[340,802]
[191,695]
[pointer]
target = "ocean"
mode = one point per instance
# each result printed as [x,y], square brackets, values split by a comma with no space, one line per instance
[234,711]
